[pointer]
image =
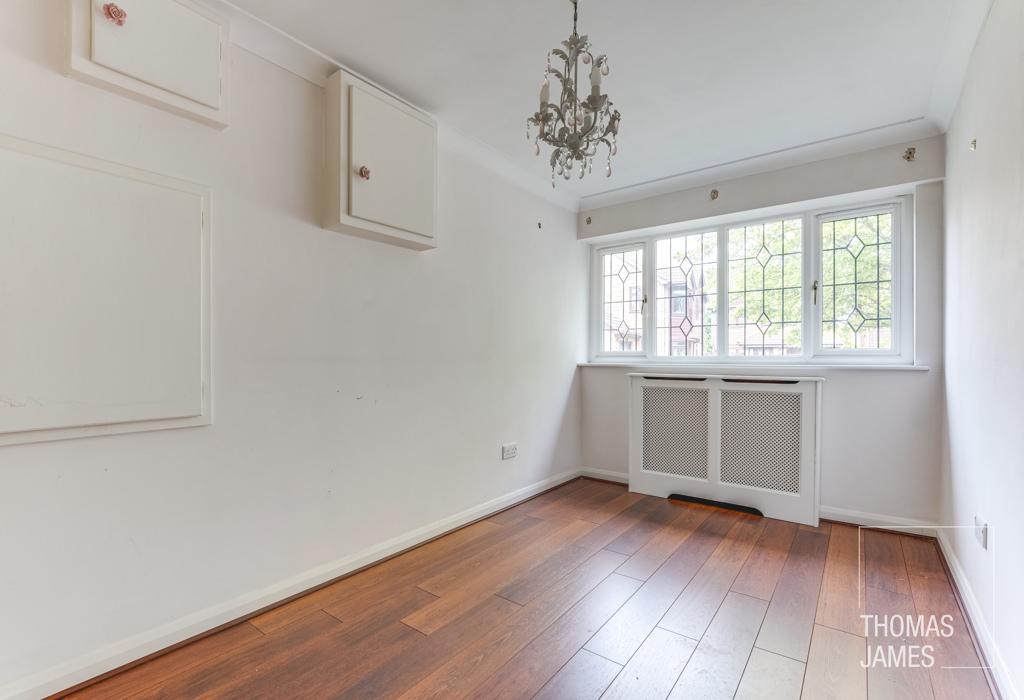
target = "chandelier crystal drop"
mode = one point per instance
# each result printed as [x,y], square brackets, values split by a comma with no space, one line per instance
[574,127]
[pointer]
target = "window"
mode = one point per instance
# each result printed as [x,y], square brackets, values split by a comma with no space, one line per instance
[804,287]
[686,295]
[765,289]
[623,300]
[856,281]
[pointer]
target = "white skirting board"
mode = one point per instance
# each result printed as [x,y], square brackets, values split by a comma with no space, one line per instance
[83,668]
[892,522]
[606,474]
[1000,670]
[75,671]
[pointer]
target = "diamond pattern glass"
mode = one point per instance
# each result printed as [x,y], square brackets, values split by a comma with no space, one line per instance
[856,290]
[765,283]
[686,295]
[622,286]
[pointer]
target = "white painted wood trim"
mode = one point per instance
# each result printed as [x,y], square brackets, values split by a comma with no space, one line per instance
[982,632]
[204,193]
[791,156]
[606,474]
[263,39]
[859,517]
[83,668]
[654,367]
[836,177]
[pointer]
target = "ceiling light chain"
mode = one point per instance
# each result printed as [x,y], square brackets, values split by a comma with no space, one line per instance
[574,128]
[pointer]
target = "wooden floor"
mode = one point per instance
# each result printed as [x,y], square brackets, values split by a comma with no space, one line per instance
[588,591]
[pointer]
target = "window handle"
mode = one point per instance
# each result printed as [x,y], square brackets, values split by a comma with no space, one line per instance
[815,288]
[643,304]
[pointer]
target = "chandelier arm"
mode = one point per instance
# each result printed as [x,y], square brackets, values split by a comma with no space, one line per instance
[589,131]
[559,115]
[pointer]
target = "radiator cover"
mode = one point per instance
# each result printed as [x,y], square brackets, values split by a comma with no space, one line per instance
[750,441]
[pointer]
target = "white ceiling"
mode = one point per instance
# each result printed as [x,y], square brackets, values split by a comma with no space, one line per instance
[699,83]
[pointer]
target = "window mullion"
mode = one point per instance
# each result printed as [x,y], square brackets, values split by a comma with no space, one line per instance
[723,292]
[650,264]
[811,330]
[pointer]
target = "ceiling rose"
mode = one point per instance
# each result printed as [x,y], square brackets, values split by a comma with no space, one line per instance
[572,126]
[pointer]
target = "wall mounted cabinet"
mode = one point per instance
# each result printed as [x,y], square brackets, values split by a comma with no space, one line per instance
[167,53]
[381,176]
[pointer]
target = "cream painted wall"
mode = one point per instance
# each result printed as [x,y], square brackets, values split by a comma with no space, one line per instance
[850,173]
[880,428]
[984,469]
[360,390]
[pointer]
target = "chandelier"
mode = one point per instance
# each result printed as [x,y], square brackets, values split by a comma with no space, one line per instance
[572,126]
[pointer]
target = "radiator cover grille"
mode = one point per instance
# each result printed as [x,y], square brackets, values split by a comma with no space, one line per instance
[675,432]
[761,443]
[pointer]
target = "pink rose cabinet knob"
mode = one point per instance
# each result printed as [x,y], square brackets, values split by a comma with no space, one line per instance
[115,14]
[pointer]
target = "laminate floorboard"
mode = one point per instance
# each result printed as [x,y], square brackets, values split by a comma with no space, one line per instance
[789,621]
[619,639]
[715,669]
[884,566]
[540,660]
[834,668]
[907,681]
[841,602]
[654,668]
[695,607]
[763,567]
[590,591]
[653,554]
[585,677]
[957,672]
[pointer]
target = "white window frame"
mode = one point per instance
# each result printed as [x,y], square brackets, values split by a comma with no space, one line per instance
[902,352]
[902,286]
[597,301]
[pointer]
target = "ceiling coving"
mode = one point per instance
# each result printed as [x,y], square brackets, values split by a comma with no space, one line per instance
[740,87]
[575,128]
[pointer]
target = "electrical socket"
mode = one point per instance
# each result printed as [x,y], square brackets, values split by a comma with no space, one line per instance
[509,450]
[981,532]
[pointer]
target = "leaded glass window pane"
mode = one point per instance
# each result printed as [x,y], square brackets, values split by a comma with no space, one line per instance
[765,286]
[686,295]
[857,283]
[622,287]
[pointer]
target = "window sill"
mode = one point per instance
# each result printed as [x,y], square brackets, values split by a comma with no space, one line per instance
[748,368]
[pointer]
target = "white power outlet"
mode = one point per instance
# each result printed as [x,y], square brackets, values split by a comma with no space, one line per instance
[981,532]
[509,450]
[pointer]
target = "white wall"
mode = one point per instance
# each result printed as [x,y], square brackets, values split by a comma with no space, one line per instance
[360,390]
[840,175]
[984,469]
[880,428]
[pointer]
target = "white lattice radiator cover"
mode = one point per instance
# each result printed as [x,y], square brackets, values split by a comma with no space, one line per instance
[749,441]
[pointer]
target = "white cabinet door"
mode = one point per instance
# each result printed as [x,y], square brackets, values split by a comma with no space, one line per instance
[398,149]
[163,43]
